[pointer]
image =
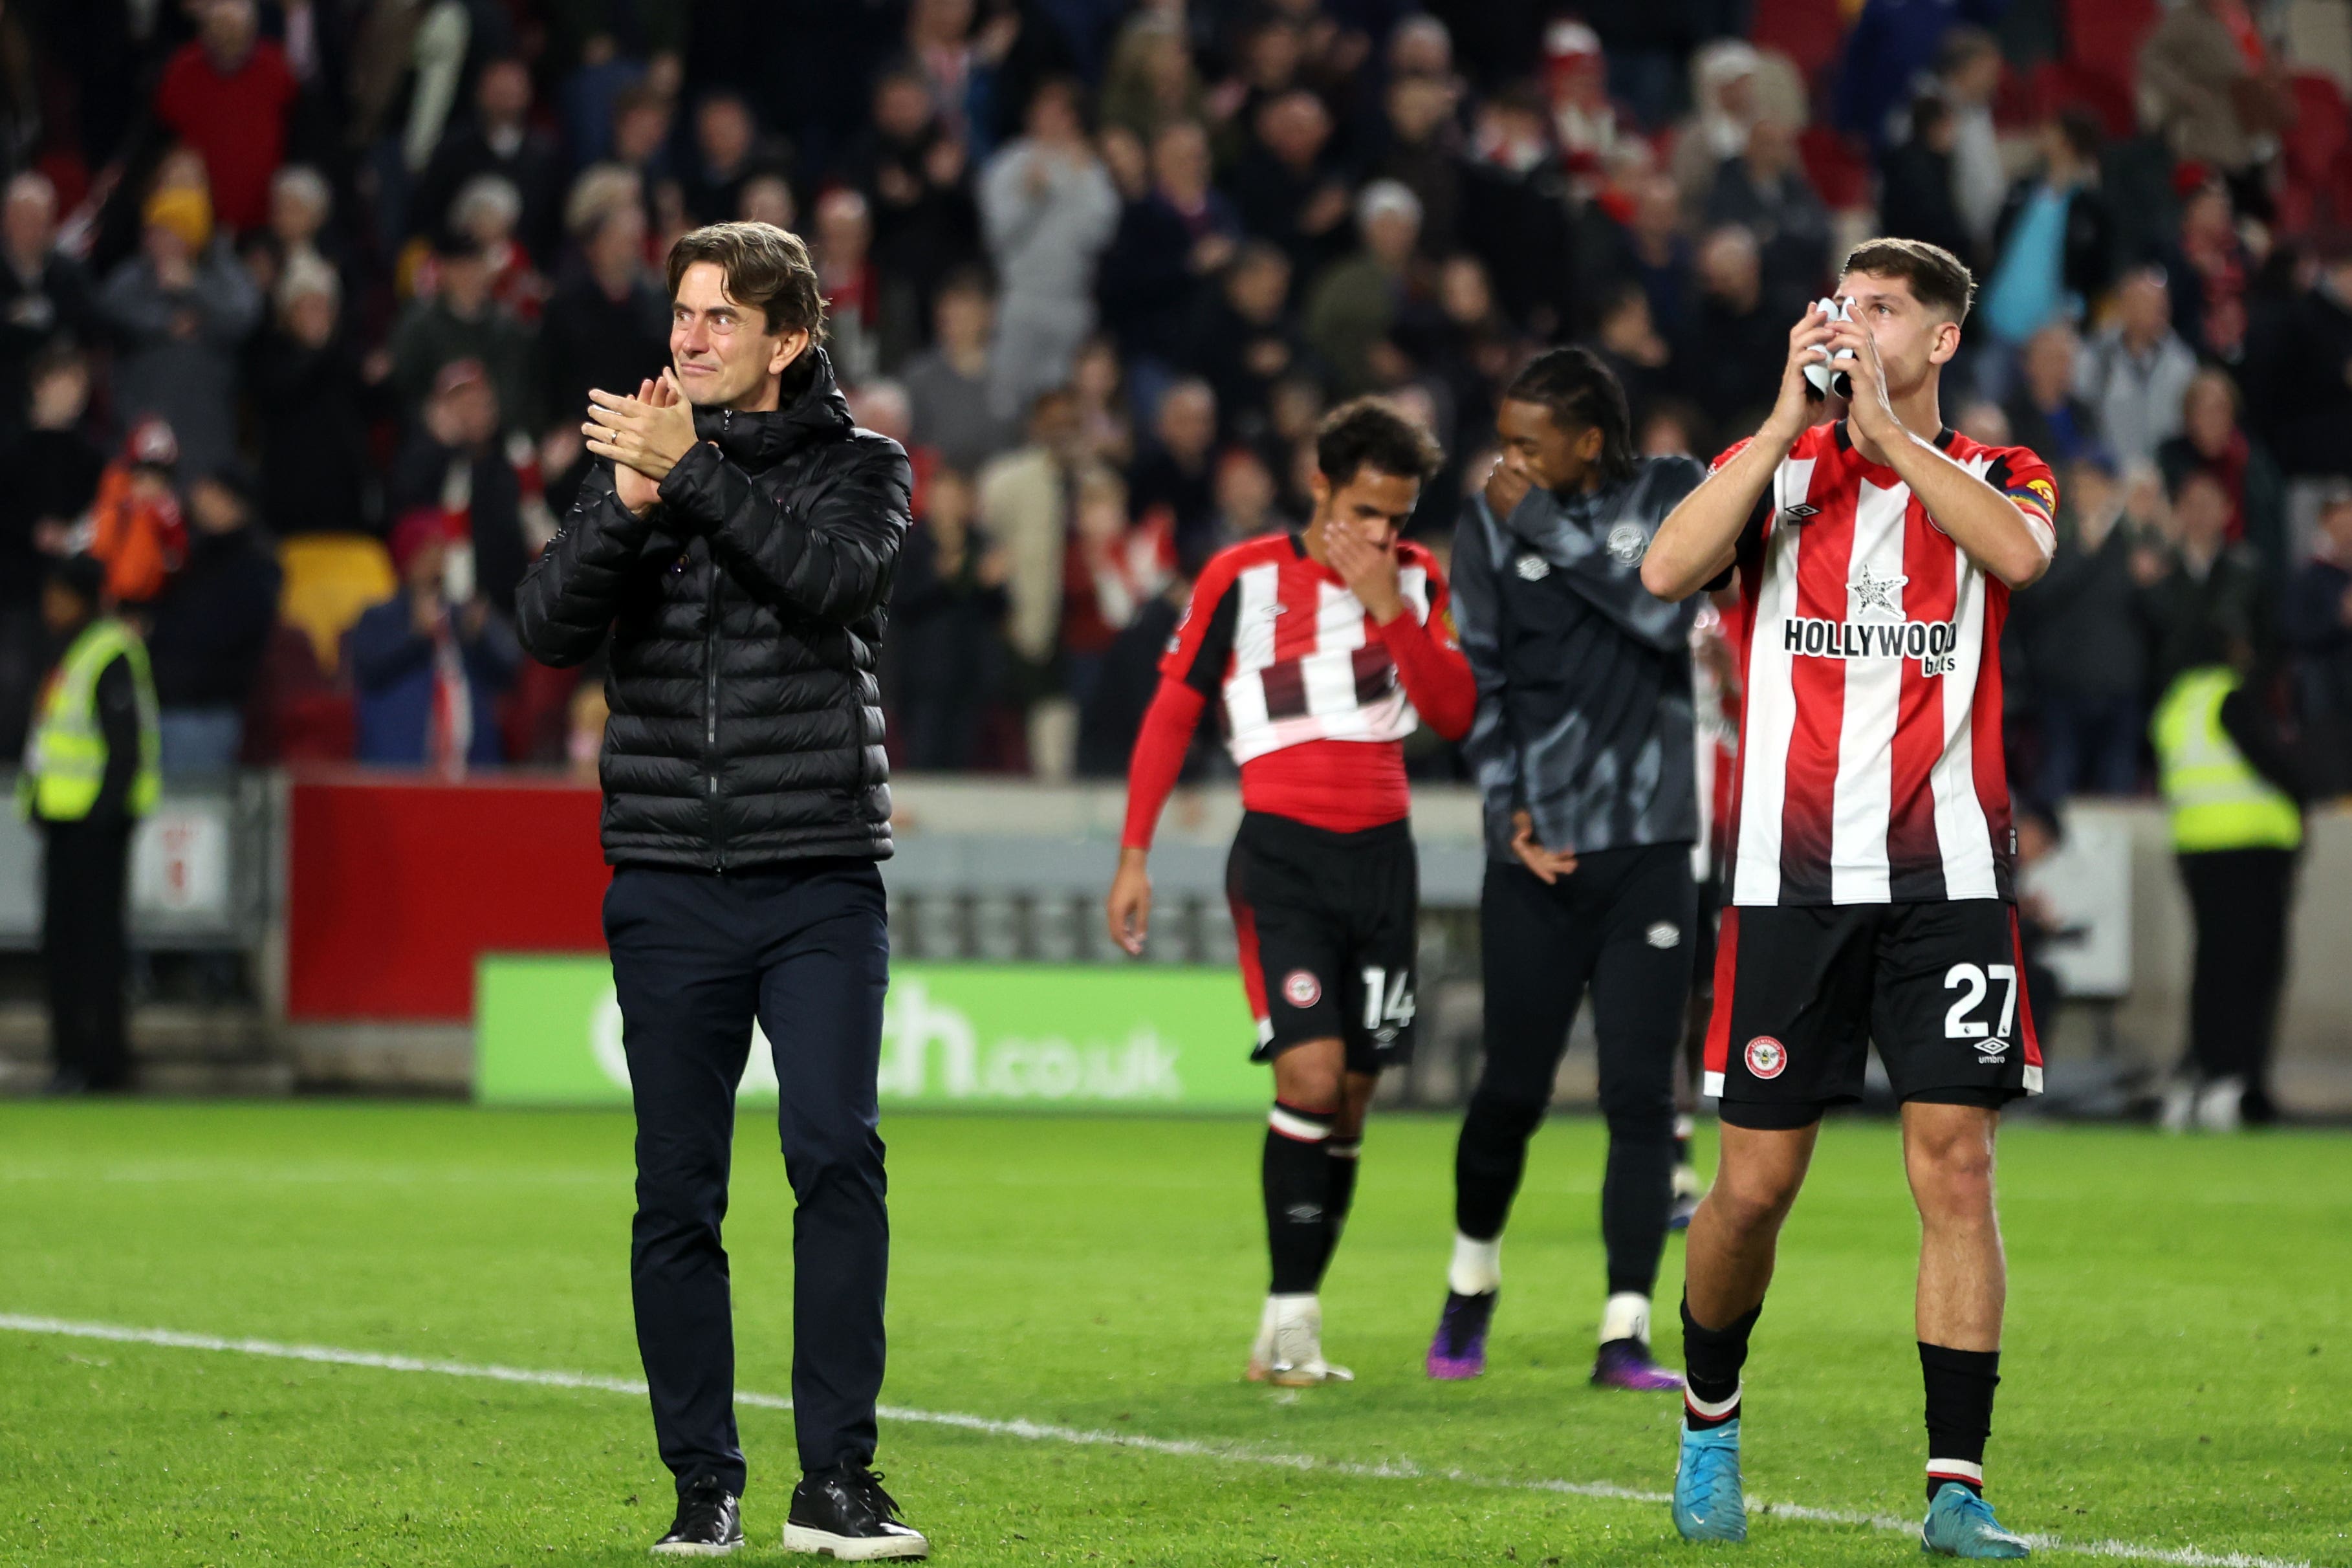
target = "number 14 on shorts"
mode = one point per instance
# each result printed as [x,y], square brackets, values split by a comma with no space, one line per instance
[1388,1001]
[1973,981]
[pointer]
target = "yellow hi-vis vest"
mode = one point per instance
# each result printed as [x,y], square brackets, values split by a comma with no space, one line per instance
[2218,800]
[65,757]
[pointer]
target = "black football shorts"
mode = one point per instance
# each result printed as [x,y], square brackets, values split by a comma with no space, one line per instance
[1801,993]
[1325,923]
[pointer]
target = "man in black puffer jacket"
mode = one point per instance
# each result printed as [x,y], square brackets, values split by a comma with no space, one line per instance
[740,552]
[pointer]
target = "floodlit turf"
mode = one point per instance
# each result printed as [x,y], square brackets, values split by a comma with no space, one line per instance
[2179,1371]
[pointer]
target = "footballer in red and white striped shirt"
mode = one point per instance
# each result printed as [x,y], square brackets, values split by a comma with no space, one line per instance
[1869,899]
[1326,648]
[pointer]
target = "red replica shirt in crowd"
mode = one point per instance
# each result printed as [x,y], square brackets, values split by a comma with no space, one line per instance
[1318,696]
[237,121]
[1870,753]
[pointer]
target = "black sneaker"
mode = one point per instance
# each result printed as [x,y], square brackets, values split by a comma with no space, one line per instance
[709,1522]
[843,1513]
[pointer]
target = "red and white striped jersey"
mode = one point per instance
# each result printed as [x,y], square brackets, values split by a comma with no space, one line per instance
[1870,749]
[1291,652]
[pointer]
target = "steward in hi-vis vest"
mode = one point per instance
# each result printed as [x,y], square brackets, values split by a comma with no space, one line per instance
[2235,789]
[91,771]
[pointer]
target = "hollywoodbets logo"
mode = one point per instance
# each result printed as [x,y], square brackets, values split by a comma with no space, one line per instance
[1930,642]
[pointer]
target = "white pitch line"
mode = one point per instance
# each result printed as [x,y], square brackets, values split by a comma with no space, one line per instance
[1047,1432]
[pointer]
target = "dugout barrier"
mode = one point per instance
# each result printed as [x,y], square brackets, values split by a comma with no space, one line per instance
[361,903]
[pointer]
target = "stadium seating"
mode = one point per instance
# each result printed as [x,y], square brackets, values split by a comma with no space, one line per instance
[331,578]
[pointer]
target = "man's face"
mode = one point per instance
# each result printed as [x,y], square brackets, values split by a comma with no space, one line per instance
[30,220]
[1372,505]
[725,355]
[1391,236]
[427,567]
[724,130]
[1538,449]
[1179,161]
[1188,423]
[1259,288]
[504,94]
[466,282]
[2049,364]
[2146,305]
[965,318]
[227,27]
[2203,511]
[1912,340]
[62,609]
[902,106]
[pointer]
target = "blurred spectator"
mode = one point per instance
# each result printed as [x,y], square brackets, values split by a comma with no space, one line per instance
[1584,116]
[429,662]
[1288,188]
[1151,84]
[767,198]
[463,322]
[2206,86]
[2055,241]
[918,177]
[1169,248]
[1727,104]
[300,203]
[311,402]
[2212,595]
[45,295]
[486,210]
[1735,346]
[499,138]
[1765,190]
[1967,75]
[947,385]
[947,615]
[607,324]
[1636,351]
[1178,475]
[212,627]
[726,140]
[843,250]
[1111,567]
[1245,508]
[2087,641]
[1420,149]
[1654,250]
[2211,440]
[137,530]
[1466,346]
[1894,43]
[1113,716]
[1982,421]
[226,93]
[2309,400]
[1025,512]
[453,463]
[1917,178]
[1106,414]
[2209,270]
[1047,209]
[182,308]
[2318,630]
[2045,415]
[2135,373]
[55,472]
[1353,309]
[1245,339]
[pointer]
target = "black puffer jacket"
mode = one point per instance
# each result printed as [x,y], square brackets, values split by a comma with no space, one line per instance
[747,613]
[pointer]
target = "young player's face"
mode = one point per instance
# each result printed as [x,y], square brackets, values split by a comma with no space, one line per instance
[725,354]
[1372,505]
[1538,449]
[1913,340]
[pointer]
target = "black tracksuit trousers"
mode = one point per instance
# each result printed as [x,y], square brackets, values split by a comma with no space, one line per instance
[1622,924]
[804,947]
[85,951]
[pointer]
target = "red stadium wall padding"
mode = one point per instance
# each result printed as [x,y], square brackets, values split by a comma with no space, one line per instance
[396,884]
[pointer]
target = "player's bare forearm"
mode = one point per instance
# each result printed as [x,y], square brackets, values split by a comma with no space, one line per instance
[1695,543]
[1997,533]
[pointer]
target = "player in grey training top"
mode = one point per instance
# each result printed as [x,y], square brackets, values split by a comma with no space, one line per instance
[1583,749]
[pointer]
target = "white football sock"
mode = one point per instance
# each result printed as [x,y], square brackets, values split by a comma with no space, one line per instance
[1626,1317]
[1477,1267]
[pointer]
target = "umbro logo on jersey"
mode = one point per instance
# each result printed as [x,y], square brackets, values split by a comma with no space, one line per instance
[1662,934]
[1531,568]
[1800,512]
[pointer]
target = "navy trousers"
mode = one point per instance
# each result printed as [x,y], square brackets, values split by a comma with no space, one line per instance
[804,947]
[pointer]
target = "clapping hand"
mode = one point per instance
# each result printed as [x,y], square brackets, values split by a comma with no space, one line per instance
[644,436]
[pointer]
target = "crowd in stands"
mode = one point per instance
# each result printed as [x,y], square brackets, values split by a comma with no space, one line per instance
[300,303]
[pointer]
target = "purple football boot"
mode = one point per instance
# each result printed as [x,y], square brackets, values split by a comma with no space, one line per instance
[1459,1349]
[1628,1365]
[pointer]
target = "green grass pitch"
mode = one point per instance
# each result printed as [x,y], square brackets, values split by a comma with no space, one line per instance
[2177,1375]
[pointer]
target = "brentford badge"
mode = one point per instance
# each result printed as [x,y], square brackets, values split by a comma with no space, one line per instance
[1301,989]
[1767,1057]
